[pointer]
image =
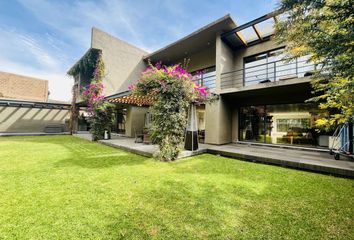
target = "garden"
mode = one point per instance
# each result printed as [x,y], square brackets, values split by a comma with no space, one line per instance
[63,187]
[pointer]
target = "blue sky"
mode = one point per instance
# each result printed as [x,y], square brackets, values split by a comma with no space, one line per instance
[44,38]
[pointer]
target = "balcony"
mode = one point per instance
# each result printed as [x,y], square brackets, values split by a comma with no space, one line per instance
[208,81]
[276,71]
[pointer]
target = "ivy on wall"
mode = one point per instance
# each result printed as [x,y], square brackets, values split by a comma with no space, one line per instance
[86,65]
[100,112]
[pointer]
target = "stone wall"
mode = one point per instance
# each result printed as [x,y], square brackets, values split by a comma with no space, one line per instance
[22,87]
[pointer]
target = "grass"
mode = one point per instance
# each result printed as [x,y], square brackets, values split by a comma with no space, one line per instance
[61,187]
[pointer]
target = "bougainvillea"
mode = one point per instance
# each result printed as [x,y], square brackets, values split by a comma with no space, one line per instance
[100,112]
[172,89]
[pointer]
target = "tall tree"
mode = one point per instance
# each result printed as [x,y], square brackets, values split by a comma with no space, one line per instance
[323,29]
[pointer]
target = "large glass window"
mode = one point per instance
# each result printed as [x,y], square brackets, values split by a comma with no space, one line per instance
[282,124]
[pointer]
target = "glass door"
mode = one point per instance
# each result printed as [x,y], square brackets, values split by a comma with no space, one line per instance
[255,124]
[252,123]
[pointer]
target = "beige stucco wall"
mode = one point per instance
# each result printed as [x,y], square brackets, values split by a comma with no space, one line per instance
[123,61]
[135,120]
[29,120]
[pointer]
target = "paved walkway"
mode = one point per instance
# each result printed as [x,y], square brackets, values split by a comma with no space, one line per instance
[31,134]
[317,161]
[147,150]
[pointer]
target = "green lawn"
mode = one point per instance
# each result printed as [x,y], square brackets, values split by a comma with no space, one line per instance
[61,187]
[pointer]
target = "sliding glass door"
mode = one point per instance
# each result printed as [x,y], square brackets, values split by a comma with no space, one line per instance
[254,124]
[293,124]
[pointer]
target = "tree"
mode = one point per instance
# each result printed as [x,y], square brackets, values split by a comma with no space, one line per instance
[323,29]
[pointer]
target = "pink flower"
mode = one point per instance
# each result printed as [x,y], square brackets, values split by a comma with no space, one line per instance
[132,87]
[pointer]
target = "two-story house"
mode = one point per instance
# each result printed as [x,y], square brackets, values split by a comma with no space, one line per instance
[261,94]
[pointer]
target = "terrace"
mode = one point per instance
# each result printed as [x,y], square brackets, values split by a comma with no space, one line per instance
[267,71]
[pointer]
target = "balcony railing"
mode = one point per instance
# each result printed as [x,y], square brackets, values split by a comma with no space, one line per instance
[268,72]
[208,81]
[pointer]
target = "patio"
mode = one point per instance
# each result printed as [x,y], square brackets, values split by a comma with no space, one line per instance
[304,159]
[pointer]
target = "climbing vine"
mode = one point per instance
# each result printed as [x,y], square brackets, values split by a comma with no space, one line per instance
[100,111]
[172,89]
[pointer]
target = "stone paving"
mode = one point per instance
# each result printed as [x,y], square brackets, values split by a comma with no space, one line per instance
[307,159]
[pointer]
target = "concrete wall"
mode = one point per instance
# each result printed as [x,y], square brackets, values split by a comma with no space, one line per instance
[29,120]
[123,62]
[202,59]
[218,115]
[240,54]
[224,60]
[135,120]
[218,122]
[221,118]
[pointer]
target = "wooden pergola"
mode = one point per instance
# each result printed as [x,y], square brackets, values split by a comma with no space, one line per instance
[130,99]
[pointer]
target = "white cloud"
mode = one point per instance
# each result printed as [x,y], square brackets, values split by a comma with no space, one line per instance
[50,54]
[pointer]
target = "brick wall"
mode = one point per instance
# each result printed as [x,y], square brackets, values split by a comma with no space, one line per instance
[23,88]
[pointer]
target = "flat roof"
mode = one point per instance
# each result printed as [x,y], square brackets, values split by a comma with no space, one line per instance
[34,104]
[194,42]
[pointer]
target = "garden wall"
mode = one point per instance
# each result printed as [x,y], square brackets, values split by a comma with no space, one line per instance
[30,120]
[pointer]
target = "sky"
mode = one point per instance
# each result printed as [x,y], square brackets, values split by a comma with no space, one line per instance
[44,39]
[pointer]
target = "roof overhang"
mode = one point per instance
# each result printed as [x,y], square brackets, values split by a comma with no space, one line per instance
[33,104]
[193,43]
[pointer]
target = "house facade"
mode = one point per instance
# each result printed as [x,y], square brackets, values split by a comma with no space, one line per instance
[261,95]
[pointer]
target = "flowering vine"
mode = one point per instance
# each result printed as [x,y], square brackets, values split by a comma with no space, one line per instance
[100,112]
[172,89]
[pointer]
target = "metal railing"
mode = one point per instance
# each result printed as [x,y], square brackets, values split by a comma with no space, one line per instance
[208,81]
[267,72]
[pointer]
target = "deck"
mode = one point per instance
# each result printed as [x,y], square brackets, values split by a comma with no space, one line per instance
[306,159]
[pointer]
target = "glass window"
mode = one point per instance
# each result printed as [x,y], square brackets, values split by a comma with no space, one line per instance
[281,124]
[261,68]
[284,125]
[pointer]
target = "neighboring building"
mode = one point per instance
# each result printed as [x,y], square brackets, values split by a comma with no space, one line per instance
[261,95]
[25,108]
[14,86]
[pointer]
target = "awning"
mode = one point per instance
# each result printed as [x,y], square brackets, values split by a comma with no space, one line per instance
[33,104]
